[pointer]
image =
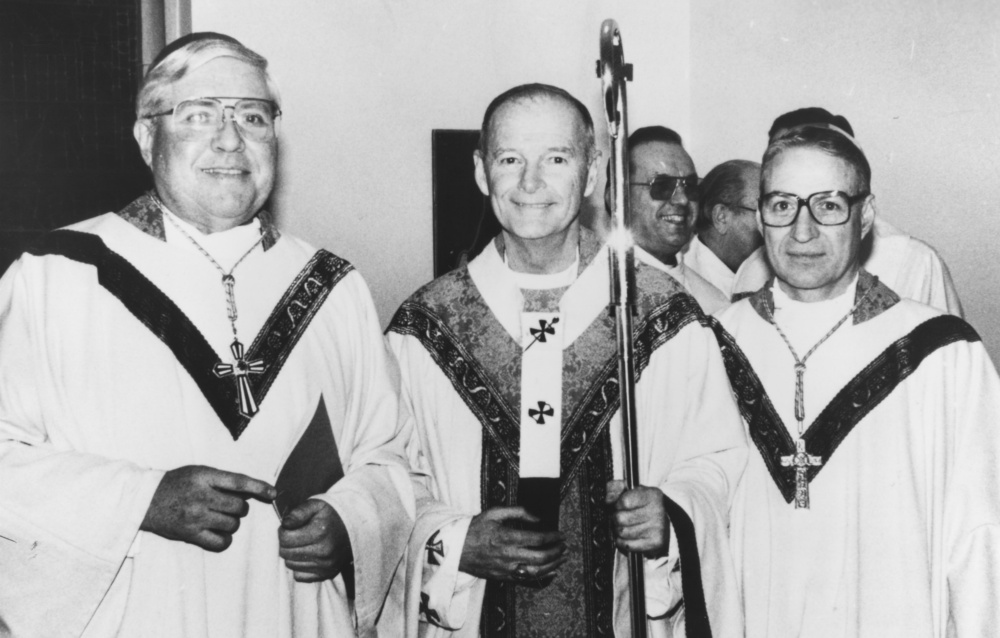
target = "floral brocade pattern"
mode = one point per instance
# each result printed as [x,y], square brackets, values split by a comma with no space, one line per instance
[846,409]
[453,322]
[145,214]
[875,298]
[456,304]
[551,608]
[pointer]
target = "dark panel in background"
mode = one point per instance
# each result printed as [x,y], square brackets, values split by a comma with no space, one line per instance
[69,72]
[463,219]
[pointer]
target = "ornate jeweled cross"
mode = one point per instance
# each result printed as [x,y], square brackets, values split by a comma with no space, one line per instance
[801,461]
[239,370]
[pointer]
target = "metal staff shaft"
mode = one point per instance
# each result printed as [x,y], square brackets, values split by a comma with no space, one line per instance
[614,73]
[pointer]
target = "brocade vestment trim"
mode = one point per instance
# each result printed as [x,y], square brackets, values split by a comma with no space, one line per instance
[852,403]
[273,344]
[452,321]
[146,215]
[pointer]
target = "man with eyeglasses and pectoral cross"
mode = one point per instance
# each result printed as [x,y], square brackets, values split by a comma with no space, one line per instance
[199,426]
[870,504]
[908,265]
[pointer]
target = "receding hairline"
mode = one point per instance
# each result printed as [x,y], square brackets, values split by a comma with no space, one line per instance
[857,175]
[536,94]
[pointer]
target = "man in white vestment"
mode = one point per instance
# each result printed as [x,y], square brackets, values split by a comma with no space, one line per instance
[663,201]
[509,367]
[182,386]
[909,266]
[726,229]
[871,504]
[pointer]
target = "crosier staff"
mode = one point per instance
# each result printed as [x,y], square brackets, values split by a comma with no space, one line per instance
[614,73]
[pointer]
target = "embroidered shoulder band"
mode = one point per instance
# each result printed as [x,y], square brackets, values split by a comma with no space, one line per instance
[170,325]
[859,397]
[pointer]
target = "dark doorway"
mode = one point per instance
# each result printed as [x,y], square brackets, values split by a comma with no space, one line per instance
[463,220]
[69,72]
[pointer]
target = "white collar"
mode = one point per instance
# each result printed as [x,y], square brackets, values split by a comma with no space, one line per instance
[586,298]
[225,247]
[546,281]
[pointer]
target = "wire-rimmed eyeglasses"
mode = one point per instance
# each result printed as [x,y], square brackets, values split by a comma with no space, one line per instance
[254,117]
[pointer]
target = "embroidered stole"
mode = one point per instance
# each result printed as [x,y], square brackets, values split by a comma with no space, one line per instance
[851,404]
[483,364]
[274,343]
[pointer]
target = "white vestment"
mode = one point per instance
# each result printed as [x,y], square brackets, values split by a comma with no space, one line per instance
[709,297]
[689,443]
[902,536]
[702,260]
[94,408]
[910,267]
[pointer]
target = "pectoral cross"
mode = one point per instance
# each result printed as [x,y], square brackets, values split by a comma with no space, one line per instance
[801,461]
[240,370]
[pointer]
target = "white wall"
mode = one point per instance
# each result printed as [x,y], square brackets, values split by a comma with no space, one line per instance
[363,85]
[919,81]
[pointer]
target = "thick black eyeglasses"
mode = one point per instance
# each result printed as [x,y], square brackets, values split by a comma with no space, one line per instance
[662,187]
[828,208]
[198,116]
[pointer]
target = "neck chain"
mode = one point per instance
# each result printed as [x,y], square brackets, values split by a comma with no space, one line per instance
[802,460]
[241,367]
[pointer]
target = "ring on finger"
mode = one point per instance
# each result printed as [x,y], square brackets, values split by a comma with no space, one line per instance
[521,572]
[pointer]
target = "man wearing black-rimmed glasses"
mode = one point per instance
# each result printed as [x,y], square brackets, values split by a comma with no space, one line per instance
[663,200]
[870,505]
[910,266]
[174,375]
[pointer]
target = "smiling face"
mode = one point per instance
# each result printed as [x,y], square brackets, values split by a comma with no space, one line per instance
[220,179]
[814,262]
[537,168]
[661,228]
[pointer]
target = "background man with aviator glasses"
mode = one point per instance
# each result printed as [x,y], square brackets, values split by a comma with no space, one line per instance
[663,203]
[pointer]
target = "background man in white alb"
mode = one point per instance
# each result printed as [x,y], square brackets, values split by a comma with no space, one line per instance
[158,369]
[726,231]
[871,504]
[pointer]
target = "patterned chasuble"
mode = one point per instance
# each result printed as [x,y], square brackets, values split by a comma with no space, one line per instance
[483,362]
